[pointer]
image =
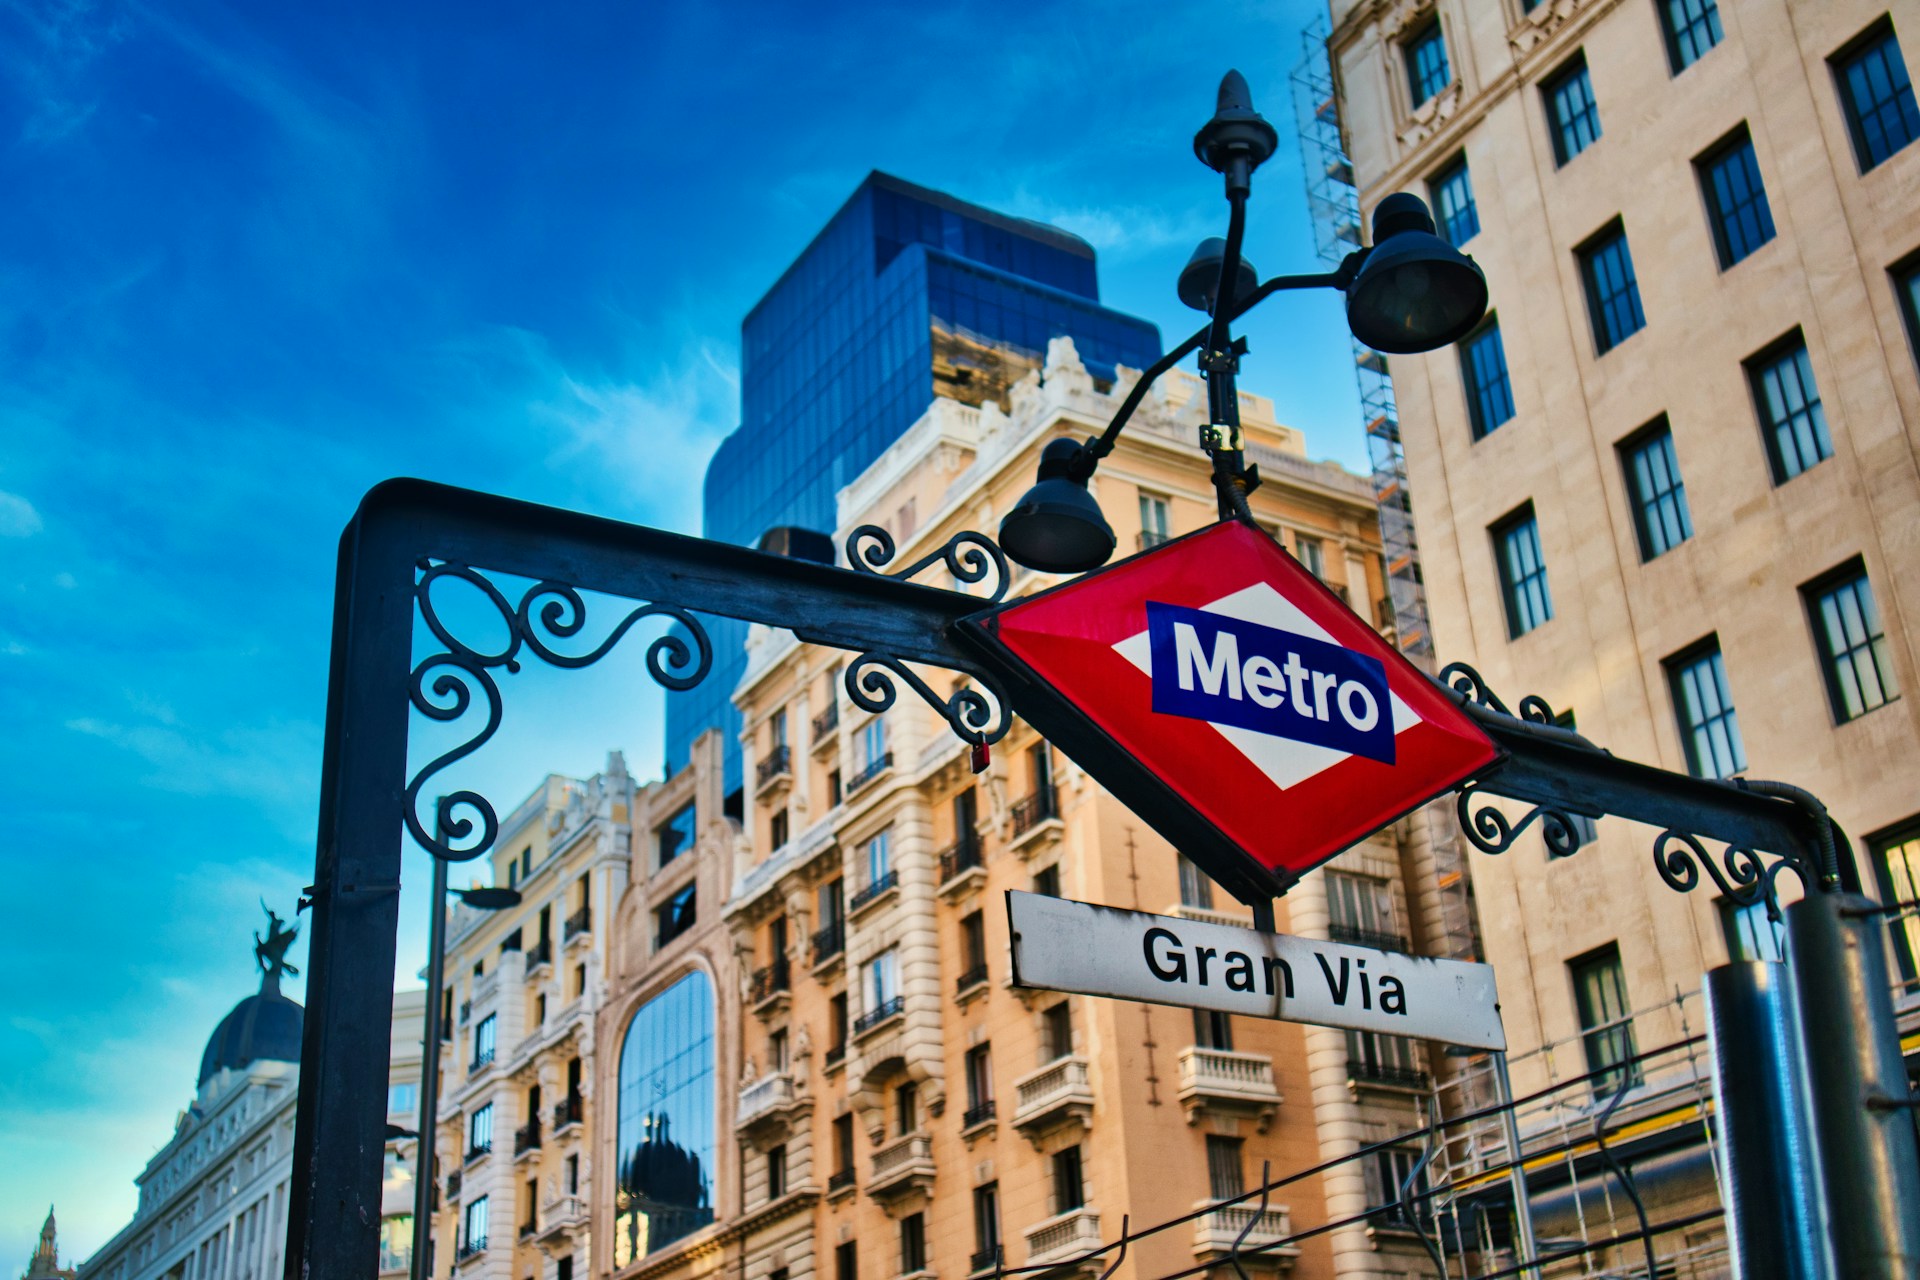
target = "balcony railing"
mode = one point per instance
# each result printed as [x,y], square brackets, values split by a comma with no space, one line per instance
[979,1113]
[477,1150]
[836,1054]
[481,1058]
[770,981]
[878,1014]
[577,923]
[829,942]
[763,1095]
[1382,1073]
[777,764]
[568,1111]
[466,1011]
[827,721]
[562,1214]
[839,1180]
[1030,811]
[526,1230]
[1211,1077]
[873,890]
[973,977]
[869,771]
[527,1137]
[906,1162]
[539,953]
[1055,1091]
[962,855]
[453,1185]
[983,1260]
[471,1248]
[1150,538]
[1378,939]
[1215,1232]
[1062,1236]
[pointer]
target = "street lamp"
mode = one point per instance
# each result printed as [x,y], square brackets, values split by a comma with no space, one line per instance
[1410,291]
[424,1174]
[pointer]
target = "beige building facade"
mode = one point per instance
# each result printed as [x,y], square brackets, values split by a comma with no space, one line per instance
[1670,485]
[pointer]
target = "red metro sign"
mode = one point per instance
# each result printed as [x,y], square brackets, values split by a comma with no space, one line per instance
[1232,700]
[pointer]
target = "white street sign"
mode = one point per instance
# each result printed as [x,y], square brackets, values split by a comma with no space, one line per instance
[1103,951]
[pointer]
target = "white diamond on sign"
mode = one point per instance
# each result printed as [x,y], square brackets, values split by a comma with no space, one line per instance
[1063,945]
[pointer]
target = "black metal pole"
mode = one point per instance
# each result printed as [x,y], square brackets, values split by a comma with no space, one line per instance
[426,1172]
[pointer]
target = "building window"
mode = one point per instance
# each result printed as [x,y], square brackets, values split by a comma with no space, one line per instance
[675,836]
[1195,889]
[1154,528]
[1069,1191]
[480,1132]
[973,949]
[986,1226]
[402,1098]
[1056,1032]
[1709,729]
[913,1243]
[1737,206]
[1523,573]
[873,743]
[1751,934]
[1791,416]
[1452,192]
[1613,295]
[1660,517]
[846,1261]
[677,915]
[834,790]
[1387,1173]
[883,979]
[1692,27]
[837,1016]
[1046,881]
[979,1084]
[1606,1022]
[777,830]
[1360,911]
[1213,1029]
[1573,117]
[1311,555]
[776,1171]
[1853,646]
[664,1139]
[1877,96]
[396,1242]
[879,858]
[906,1108]
[777,729]
[1483,366]
[1427,70]
[843,1145]
[1225,1179]
[476,1225]
[483,1041]
[1896,861]
[1383,1059]
[1906,286]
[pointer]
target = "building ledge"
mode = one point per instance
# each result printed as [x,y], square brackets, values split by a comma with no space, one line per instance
[1057,1093]
[1220,1079]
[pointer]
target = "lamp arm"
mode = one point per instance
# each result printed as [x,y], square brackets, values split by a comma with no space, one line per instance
[1093,450]
[1218,337]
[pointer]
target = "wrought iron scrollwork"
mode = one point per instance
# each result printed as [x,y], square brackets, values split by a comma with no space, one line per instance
[1472,686]
[444,685]
[1490,830]
[1746,879]
[971,557]
[974,718]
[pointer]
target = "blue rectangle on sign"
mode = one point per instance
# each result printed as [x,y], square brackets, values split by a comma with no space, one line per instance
[1207,666]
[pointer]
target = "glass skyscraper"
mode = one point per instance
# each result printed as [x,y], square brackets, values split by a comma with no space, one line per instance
[905,295]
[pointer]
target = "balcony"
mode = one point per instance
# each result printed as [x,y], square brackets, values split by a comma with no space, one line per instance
[960,865]
[539,955]
[478,1150]
[1148,539]
[829,942]
[466,1012]
[471,1249]
[1055,1094]
[836,1054]
[869,771]
[769,986]
[839,1180]
[764,1099]
[453,1185]
[885,1011]
[1064,1236]
[983,1260]
[1229,1081]
[482,1059]
[1382,1075]
[1378,939]
[1035,816]
[526,1138]
[578,925]
[975,976]
[1215,1232]
[904,1165]
[774,768]
[981,1113]
[872,893]
[824,724]
[568,1213]
[526,1230]
[568,1112]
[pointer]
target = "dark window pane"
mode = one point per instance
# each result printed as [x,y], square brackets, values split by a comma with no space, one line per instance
[1878,98]
[1523,574]
[1573,117]
[1453,205]
[1427,70]
[1660,516]
[1853,645]
[1692,27]
[1896,860]
[1606,1022]
[663,1187]
[1906,284]
[1483,365]
[1736,201]
[1790,413]
[1225,1179]
[1703,704]
[1613,294]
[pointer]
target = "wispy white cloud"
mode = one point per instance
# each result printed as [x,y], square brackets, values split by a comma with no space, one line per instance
[271,764]
[18,518]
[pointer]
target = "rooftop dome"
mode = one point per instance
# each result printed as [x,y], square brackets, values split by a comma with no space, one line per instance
[264,1026]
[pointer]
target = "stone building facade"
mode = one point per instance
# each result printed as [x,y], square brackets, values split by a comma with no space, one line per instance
[1671,484]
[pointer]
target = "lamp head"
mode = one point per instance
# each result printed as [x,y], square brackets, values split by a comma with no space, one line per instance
[1200,278]
[1414,292]
[1238,139]
[1057,527]
[489,899]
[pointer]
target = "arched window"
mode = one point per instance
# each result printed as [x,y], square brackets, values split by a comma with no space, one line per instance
[665,1136]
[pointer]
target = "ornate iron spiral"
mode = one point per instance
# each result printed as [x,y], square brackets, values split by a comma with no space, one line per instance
[969,556]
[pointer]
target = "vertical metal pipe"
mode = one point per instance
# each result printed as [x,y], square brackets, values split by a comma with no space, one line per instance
[1863,1137]
[1526,1250]
[1776,1209]
[426,1173]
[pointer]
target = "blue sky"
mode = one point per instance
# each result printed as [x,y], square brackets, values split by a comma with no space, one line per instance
[255,259]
